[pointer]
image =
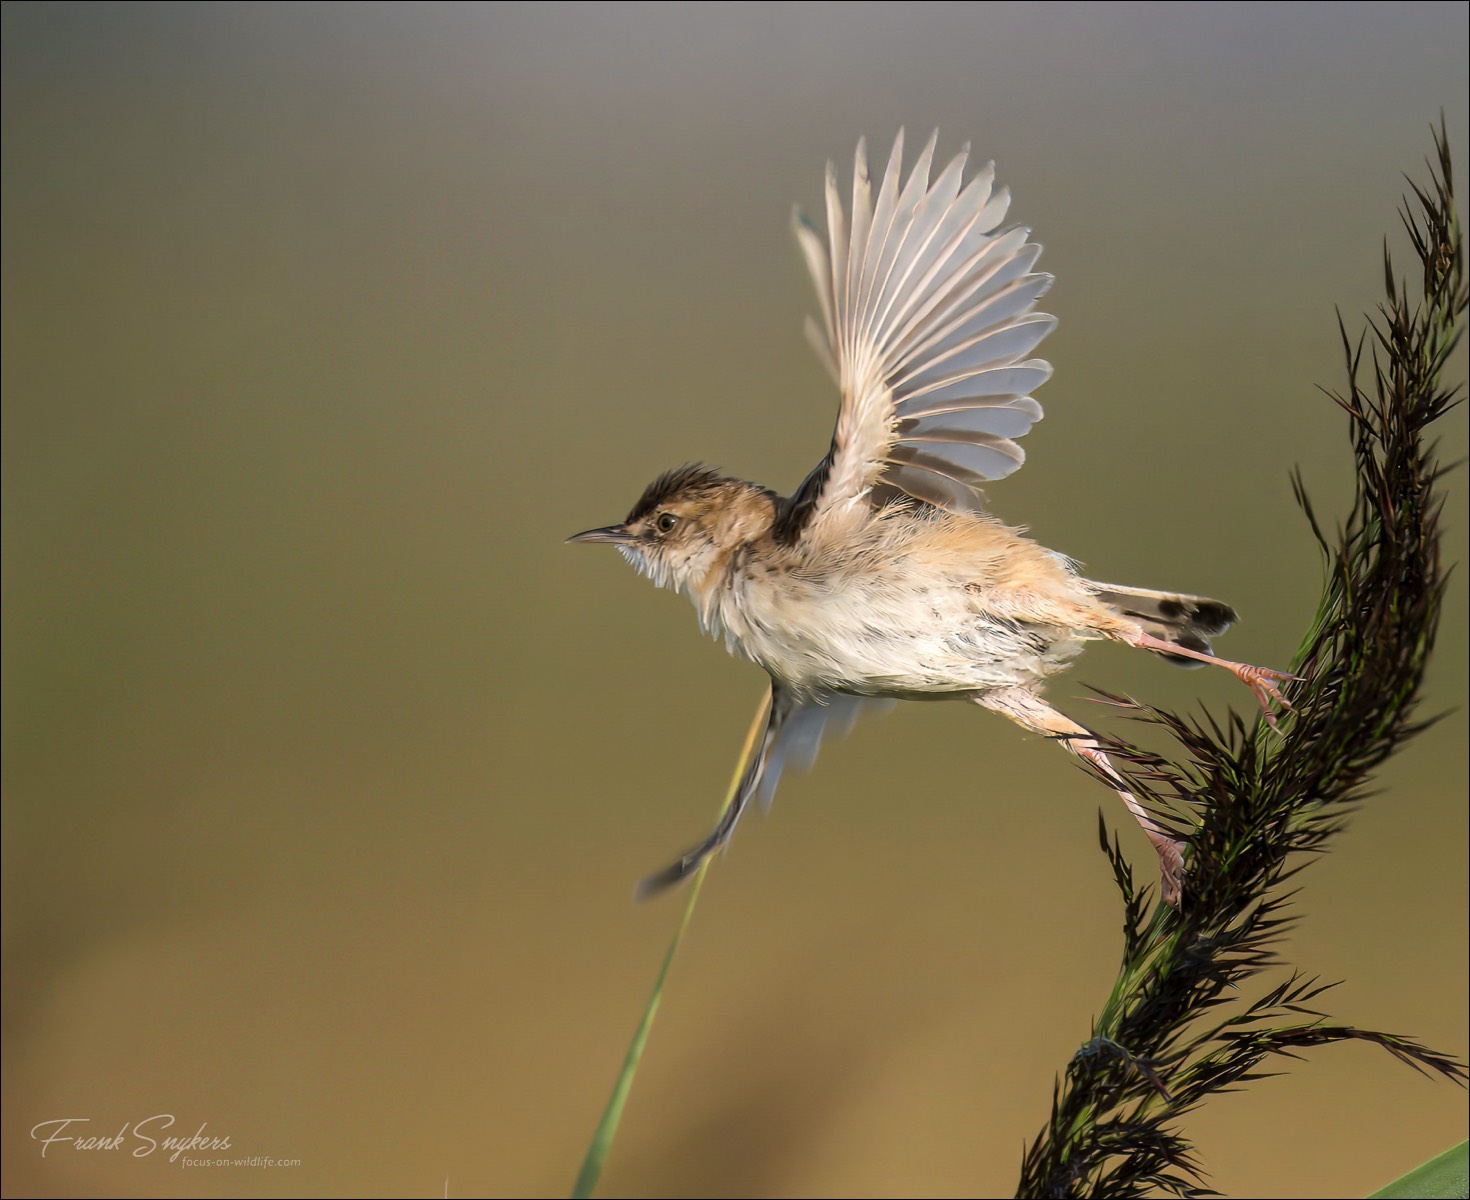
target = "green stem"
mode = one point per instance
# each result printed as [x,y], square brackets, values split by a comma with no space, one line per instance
[607,1128]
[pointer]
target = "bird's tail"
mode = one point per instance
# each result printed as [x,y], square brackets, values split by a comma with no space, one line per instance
[1187,621]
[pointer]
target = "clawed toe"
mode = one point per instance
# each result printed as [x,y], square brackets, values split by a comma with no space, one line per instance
[1263,681]
[1171,867]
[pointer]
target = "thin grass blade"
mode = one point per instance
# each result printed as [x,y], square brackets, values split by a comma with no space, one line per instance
[607,1128]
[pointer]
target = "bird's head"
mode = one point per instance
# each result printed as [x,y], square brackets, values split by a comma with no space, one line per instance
[686,524]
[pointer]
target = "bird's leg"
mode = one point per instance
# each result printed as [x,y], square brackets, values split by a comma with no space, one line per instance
[1261,680]
[1028,710]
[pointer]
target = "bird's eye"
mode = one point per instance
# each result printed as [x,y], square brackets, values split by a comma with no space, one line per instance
[666,521]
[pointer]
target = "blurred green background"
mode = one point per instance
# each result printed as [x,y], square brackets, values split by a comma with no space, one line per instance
[329,769]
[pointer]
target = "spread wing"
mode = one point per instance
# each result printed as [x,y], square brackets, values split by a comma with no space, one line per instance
[926,324]
[795,726]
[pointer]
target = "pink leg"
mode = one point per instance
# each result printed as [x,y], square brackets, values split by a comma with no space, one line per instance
[1261,680]
[1030,711]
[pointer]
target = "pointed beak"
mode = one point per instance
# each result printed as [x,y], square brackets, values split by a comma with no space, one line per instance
[616,535]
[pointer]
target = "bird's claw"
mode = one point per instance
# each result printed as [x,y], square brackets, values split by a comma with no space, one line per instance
[1171,866]
[1264,682]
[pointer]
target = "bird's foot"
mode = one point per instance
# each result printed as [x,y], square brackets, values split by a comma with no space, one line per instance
[1171,867]
[1264,682]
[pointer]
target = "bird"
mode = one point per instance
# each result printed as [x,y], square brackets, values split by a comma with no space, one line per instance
[885,576]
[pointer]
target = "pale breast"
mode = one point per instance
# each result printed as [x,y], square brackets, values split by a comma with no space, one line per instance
[875,631]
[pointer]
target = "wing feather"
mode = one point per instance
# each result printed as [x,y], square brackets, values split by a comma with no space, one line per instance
[927,320]
[819,265]
[1009,384]
[1008,419]
[837,247]
[974,459]
[882,223]
[965,350]
[909,482]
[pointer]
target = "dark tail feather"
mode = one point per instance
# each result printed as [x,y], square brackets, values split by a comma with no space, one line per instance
[1188,621]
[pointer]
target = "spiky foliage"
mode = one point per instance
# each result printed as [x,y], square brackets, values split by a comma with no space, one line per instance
[1174,1030]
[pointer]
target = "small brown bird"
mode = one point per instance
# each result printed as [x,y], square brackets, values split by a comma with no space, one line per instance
[883,577]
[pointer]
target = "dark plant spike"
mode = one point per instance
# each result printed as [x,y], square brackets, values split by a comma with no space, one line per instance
[1175,1029]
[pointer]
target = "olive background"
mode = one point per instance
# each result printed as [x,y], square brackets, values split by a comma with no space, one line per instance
[329,769]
